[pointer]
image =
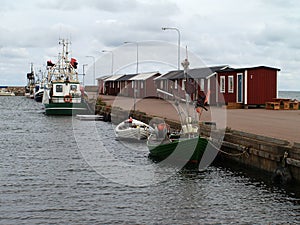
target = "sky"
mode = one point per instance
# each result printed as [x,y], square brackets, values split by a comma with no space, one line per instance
[230,32]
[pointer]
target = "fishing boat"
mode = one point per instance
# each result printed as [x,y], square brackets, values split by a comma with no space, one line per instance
[29,88]
[184,148]
[39,93]
[132,129]
[39,90]
[63,95]
[40,85]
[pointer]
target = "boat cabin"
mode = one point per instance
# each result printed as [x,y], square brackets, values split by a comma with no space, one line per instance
[66,92]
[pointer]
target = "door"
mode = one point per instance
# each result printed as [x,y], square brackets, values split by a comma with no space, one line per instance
[239,88]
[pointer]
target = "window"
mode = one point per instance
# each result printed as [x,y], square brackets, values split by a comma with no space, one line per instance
[125,83]
[59,88]
[202,84]
[142,84]
[176,84]
[132,84]
[73,87]
[230,84]
[113,84]
[183,83]
[161,84]
[222,84]
[118,84]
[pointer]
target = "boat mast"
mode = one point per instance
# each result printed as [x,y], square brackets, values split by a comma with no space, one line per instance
[66,60]
[185,65]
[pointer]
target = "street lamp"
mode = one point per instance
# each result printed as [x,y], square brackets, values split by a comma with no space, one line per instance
[174,28]
[112,60]
[137,69]
[83,74]
[90,56]
[137,53]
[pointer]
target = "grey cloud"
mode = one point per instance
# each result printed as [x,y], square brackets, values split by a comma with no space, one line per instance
[102,5]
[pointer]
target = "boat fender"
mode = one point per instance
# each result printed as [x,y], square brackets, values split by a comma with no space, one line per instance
[162,130]
[282,175]
[68,98]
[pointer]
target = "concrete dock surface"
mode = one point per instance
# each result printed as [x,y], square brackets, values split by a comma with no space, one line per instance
[280,124]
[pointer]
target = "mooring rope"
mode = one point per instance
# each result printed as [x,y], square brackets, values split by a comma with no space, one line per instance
[245,151]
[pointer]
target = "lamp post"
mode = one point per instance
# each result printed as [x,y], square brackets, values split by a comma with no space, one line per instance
[137,53]
[90,56]
[174,28]
[112,60]
[137,69]
[83,74]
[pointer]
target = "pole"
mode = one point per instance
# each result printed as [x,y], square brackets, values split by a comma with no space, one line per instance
[137,70]
[112,60]
[178,32]
[94,67]
[83,74]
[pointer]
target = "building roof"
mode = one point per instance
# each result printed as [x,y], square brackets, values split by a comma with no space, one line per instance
[203,72]
[195,73]
[229,69]
[114,77]
[103,77]
[143,76]
[168,75]
[125,77]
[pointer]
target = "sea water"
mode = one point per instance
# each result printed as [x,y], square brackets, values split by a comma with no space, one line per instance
[47,177]
[289,94]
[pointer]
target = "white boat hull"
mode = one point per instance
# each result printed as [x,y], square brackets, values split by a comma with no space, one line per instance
[136,130]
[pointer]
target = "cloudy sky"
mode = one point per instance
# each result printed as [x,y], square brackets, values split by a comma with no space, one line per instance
[230,32]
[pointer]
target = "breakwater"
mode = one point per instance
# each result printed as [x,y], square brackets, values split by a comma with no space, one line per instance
[279,158]
[17,90]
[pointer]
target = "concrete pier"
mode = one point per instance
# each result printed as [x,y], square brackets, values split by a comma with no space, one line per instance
[254,138]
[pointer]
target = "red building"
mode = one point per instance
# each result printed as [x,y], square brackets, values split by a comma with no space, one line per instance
[202,80]
[101,84]
[125,84]
[248,86]
[112,86]
[143,84]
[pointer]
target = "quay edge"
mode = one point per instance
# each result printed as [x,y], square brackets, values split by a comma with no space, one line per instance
[278,157]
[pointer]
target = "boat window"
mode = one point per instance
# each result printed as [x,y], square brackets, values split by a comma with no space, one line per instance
[73,87]
[59,88]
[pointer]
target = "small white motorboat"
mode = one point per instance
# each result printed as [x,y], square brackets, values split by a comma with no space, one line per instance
[133,129]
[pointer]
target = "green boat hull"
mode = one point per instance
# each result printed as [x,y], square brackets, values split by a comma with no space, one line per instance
[66,109]
[182,152]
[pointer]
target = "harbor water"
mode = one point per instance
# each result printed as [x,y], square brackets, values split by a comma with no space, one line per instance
[47,176]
